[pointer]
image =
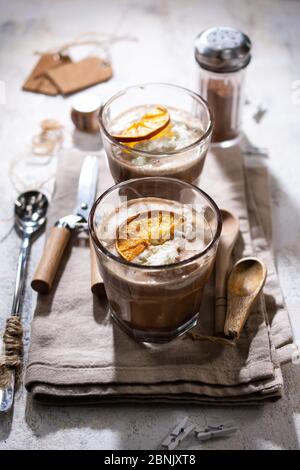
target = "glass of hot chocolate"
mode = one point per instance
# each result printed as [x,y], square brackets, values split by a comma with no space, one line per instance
[156,241]
[156,129]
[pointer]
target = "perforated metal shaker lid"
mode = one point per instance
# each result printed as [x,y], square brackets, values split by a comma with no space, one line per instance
[222,49]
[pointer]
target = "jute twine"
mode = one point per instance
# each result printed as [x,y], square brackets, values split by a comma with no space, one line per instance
[44,147]
[103,40]
[215,339]
[13,349]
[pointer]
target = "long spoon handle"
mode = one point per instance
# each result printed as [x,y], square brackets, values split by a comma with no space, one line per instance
[7,395]
[222,267]
[237,314]
[20,277]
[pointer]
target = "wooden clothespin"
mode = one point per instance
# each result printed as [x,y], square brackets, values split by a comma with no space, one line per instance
[179,433]
[211,432]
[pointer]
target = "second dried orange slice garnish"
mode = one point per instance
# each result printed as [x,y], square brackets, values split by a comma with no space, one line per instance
[149,125]
[144,229]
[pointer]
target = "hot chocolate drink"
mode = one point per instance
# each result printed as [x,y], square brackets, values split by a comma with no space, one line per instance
[156,241]
[182,131]
[168,137]
[156,256]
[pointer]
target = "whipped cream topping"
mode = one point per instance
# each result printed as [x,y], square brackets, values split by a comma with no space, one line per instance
[167,253]
[189,239]
[183,130]
[170,251]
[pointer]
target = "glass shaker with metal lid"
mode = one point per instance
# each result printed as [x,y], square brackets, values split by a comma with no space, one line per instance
[223,54]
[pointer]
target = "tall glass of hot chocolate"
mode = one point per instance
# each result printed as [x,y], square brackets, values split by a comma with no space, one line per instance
[156,241]
[156,130]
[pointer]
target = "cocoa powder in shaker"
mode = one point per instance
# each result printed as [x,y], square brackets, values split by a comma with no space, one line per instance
[225,103]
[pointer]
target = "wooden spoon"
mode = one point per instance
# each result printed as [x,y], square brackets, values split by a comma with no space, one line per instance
[244,284]
[229,234]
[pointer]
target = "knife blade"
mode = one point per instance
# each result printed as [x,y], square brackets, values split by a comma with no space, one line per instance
[87,187]
[60,234]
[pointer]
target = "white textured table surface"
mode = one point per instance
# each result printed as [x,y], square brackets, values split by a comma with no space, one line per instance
[165,31]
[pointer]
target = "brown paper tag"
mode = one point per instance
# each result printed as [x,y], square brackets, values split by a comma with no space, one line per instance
[76,76]
[37,82]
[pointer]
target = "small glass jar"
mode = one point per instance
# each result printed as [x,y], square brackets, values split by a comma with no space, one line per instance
[223,54]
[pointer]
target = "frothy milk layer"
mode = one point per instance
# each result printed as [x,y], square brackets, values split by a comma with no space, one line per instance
[190,238]
[183,130]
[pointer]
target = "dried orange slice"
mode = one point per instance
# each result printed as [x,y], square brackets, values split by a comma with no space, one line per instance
[149,125]
[144,229]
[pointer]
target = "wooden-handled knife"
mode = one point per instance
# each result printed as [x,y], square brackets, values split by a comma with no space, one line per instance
[60,234]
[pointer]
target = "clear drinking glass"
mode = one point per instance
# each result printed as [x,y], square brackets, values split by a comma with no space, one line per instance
[155,303]
[173,159]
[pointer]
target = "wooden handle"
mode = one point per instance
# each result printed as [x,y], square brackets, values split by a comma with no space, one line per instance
[238,312]
[97,285]
[220,315]
[222,268]
[50,260]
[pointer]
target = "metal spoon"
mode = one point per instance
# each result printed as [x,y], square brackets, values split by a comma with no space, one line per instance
[30,216]
[244,284]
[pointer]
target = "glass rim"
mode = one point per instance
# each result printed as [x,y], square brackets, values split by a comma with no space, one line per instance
[199,98]
[184,262]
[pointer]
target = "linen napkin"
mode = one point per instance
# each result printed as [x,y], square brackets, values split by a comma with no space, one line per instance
[79,356]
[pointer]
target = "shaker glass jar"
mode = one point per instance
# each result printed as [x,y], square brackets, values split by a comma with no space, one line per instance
[223,54]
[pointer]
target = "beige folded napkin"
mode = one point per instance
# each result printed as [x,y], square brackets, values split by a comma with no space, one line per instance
[79,356]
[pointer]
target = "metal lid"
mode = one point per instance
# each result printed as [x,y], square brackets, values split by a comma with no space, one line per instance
[222,49]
